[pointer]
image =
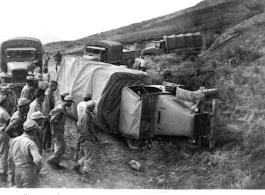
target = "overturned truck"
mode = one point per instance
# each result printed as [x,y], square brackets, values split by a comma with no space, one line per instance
[128,105]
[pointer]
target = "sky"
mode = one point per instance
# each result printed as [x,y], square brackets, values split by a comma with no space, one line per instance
[74,19]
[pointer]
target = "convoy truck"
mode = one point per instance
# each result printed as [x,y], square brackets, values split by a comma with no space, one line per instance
[110,52]
[17,56]
[190,41]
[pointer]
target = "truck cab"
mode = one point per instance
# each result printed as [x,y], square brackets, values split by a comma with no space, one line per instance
[157,49]
[17,56]
[95,53]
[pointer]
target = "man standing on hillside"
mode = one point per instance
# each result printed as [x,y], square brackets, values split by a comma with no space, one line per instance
[26,157]
[87,139]
[81,109]
[27,91]
[48,105]
[58,58]
[4,143]
[45,59]
[57,116]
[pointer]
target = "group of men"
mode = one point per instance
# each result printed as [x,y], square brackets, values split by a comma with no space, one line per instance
[34,123]
[57,57]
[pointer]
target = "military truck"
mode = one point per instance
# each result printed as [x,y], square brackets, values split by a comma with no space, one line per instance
[17,56]
[190,41]
[110,52]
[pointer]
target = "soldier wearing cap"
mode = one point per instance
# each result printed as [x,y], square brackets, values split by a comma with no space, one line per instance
[15,128]
[4,100]
[63,94]
[13,99]
[26,157]
[87,139]
[48,105]
[81,108]
[3,75]
[57,127]
[45,59]
[27,91]
[36,105]
[38,117]
[4,143]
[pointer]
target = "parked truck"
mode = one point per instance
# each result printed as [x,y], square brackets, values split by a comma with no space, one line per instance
[17,56]
[190,41]
[110,52]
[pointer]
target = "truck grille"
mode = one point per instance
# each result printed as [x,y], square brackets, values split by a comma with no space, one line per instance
[201,129]
[19,76]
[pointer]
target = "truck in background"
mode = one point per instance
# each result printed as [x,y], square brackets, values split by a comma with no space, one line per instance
[110,52]
[17,56]
[190,41]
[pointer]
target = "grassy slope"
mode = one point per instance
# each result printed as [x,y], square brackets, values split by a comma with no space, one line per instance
[204,18]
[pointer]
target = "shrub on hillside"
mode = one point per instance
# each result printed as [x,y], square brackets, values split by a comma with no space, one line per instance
[254,8]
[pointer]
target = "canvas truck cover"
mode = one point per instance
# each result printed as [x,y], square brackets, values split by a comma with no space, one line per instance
[114,48]
[79,76]
[183,41]
[21,42]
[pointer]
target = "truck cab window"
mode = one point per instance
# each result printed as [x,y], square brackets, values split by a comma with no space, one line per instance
[27,54]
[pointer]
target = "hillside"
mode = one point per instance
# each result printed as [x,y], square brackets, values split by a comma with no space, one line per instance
[211,18]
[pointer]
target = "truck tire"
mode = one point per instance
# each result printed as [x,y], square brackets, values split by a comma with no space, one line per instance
[130,63]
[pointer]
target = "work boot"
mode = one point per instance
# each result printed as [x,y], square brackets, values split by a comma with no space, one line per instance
[52,164]
[86,179]
[76,168]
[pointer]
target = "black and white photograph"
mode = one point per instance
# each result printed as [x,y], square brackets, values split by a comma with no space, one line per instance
[147,95]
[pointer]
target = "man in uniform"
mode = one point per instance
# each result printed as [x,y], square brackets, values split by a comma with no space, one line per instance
[4,143]
[48,105]
[38,117]
[57,127]
[15,128]
[26,157]
[37,69]
[4,100]
[58,58]
[81,108]
[45,59]
[12,98]
[87,139]
[63,94]
[36,105]
[27,91]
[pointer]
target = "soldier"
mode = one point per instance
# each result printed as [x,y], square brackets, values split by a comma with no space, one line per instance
[46,75]
[38,117]
[48,105]
[57,126]
[45,59]
[4,100]
[26,157]
[15,129]
[63,94]
[36,105]
[81,108]
[27,91]
[58,58]
[4,143]
[12,98]
[87,139]
[37,69]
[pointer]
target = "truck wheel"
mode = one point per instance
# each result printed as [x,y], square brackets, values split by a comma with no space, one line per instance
[130,63]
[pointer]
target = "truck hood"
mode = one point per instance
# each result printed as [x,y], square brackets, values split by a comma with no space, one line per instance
[26,65]
[92,58]
[149,50]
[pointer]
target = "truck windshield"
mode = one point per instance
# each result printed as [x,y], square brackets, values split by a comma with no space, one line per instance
[20,54]
[92,51]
